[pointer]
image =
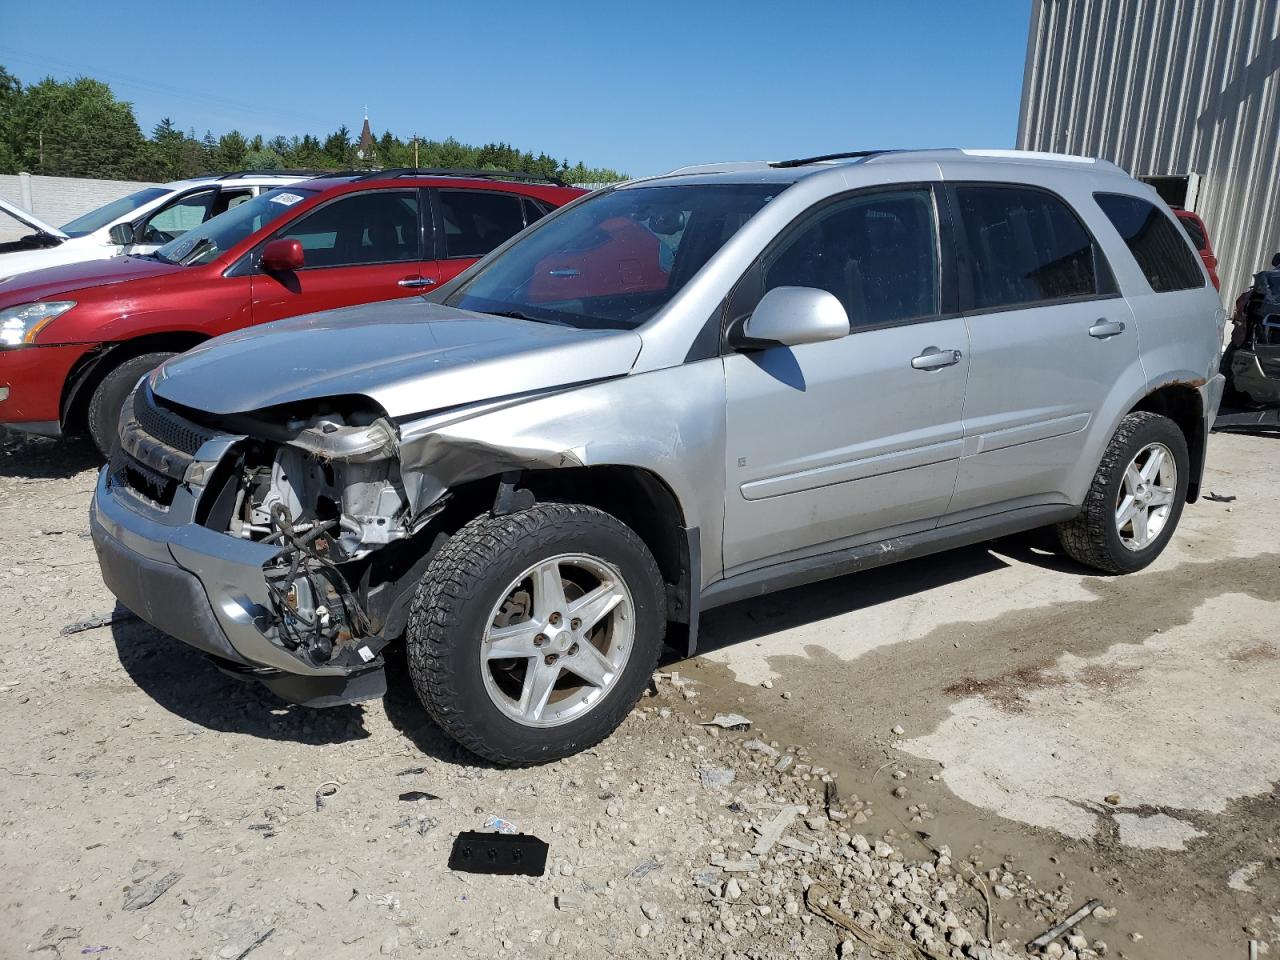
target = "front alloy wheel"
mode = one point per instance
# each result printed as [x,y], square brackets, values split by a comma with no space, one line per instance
[533,634]
[558,640]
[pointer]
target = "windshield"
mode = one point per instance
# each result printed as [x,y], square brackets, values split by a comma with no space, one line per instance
[219,234]
[614,260]
[113,211]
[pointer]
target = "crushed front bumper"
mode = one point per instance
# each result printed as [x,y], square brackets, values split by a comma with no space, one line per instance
[208,590]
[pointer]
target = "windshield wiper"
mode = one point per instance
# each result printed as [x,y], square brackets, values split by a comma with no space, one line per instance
[517,315]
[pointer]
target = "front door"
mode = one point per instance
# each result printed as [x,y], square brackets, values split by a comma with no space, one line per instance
[832,444]
[172,220]
[360,248]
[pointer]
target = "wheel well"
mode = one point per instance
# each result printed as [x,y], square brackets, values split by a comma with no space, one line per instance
[637,497]
[1181,404]
[89,371]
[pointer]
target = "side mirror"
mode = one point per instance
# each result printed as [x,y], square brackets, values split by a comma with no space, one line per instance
[791,316]
[121,234]
[283,255]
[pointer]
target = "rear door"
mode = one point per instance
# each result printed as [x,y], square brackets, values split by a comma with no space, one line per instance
[471,223]
[832,444]
[359,248]
[1050,336]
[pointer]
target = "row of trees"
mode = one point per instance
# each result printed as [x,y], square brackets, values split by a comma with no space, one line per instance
[79,129]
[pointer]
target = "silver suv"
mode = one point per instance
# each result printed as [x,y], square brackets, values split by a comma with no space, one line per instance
[669,395]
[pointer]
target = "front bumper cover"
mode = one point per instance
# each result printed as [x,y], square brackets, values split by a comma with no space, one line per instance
[207,589]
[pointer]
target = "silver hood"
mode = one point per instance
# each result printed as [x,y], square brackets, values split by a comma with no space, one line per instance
[408,356]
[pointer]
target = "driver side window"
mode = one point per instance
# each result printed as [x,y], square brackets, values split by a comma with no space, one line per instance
[176,219]
[876,253]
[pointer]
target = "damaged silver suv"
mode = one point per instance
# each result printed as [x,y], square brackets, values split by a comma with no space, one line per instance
[669,395]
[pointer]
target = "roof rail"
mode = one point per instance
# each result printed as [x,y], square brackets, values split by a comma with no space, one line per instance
[239,174]
[850,155]
[394,172]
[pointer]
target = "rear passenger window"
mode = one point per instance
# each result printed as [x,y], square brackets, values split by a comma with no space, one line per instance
[476,221]
[1026,247]
[877,253]
[1156,243]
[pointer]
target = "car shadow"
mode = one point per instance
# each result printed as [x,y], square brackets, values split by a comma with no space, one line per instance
[786,609]
[185,682]
[406,713]
[43,458]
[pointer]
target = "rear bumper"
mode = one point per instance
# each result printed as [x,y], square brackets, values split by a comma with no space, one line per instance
[34,377]
[208,590]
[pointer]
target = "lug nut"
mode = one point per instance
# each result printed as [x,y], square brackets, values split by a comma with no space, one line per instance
[555,619]
[575,624]
[540,639]
[573,650]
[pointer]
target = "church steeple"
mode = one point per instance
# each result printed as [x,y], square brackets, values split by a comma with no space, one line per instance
[365,150]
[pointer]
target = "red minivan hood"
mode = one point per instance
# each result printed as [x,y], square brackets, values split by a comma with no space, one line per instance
[73,277]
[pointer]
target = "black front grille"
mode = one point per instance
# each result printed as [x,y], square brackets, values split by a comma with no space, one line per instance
[156,487]
[170,428]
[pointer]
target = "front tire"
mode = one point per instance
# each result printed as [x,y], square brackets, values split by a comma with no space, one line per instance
[110,394]
[532,635]
[1136,498]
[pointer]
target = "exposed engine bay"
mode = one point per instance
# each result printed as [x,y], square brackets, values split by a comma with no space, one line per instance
[323,489]
[329,496]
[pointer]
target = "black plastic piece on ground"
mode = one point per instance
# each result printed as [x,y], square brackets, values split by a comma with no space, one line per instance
[505,854]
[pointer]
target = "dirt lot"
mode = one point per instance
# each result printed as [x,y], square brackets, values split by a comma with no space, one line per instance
[1010,736]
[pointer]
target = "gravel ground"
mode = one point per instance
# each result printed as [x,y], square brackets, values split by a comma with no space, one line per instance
[154,807]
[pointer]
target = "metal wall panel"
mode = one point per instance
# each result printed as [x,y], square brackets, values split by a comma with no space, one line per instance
[1168,87]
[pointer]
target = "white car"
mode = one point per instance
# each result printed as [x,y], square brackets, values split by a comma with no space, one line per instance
[138,223]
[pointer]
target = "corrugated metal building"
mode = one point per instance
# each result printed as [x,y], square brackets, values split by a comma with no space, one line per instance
[1183,89]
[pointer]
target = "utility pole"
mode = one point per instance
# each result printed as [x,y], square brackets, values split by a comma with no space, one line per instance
[42,151]
[415,151]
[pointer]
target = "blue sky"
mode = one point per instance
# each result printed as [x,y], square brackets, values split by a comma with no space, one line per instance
[640,87]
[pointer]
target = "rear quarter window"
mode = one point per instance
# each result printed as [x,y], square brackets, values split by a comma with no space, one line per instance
[1156,243]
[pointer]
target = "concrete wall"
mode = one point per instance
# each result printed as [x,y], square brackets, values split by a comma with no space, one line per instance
[56,200]
[1169,87]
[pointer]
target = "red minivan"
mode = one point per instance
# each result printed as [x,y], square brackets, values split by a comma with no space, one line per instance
[75,339]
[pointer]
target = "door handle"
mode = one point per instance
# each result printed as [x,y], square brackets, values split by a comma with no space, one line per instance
[1106,328]
[934,359]
[415,283]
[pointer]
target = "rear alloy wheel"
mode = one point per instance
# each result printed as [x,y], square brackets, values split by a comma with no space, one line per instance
[532,635]
[1136,497]
[1145,500]
[110,394]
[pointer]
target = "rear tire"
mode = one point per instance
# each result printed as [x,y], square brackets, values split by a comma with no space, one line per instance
[110,394]
[484,587]
[1116,530]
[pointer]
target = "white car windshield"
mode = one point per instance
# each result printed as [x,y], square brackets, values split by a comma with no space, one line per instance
[113,211]
[219,234]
